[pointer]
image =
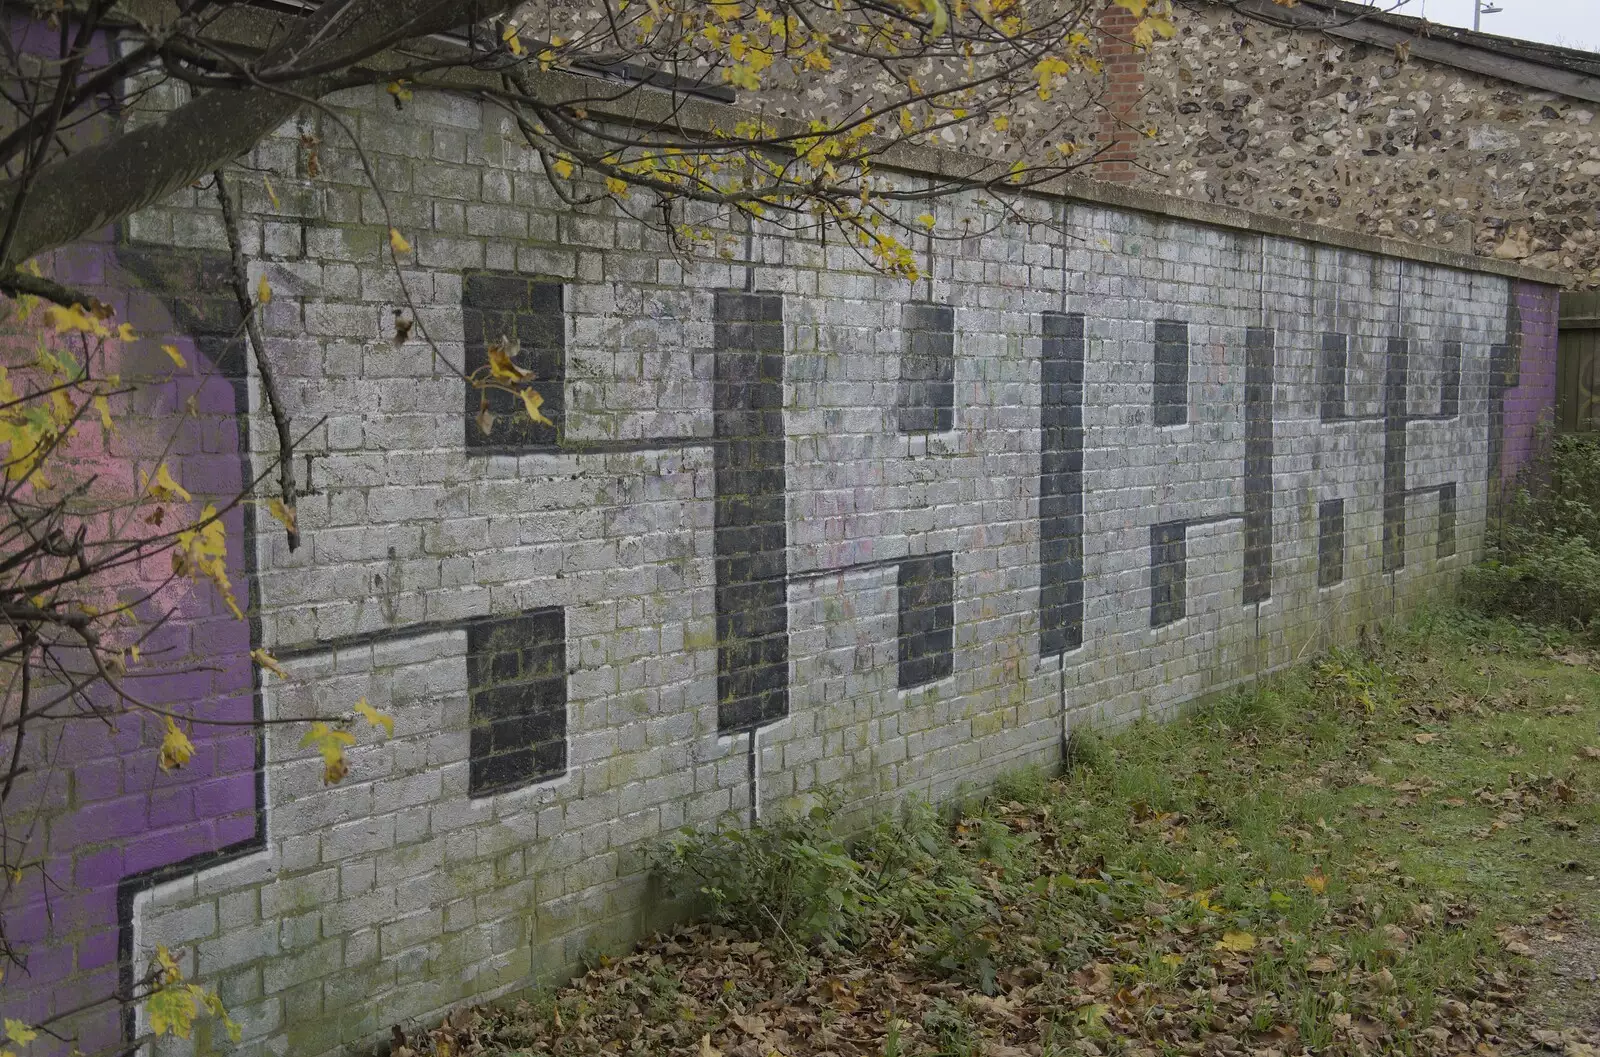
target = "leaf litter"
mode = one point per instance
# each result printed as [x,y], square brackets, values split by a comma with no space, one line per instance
[1290,873]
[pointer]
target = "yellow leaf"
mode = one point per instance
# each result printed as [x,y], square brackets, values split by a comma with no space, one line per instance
[374,717]
[174,355]
[18,1032]
[501,367]
[272,195]
[102,405]
[176,748]
[264,291]
[269,662]
[283,514]
[172,1010]
[1172,959]
[203,552]
[1236,941]
[926,220]
[75,318]
[941,16]
[563,168]
[401,93]
[164,487]
[1317,881]
[397,241]
[330,744]
[512,41]
[533,400]
[1001,123]
[616,186]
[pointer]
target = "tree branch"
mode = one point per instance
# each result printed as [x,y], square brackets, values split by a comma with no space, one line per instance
[84,192]
[269,384]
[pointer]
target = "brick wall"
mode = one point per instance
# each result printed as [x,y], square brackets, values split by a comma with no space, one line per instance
[885,538]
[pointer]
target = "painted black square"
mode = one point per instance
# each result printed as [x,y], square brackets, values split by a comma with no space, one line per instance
[1168,572]
[508,307]
[1260,355]
[1450,381]
[1447,520]
[1331,375]
[1171,394]
[1330,542]
[1061,484]
[1396,405]
[750,538]
[927,619]
[517,689]
[927,369]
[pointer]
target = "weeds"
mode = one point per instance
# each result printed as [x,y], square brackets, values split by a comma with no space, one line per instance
[1544,565]
[1330,862]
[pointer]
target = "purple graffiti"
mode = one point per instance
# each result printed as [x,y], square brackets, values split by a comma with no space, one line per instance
[101,816]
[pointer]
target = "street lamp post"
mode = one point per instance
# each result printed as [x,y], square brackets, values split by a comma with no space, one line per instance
[1481,8]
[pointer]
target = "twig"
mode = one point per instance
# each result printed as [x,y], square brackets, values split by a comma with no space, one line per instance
[269,385]
[16,283]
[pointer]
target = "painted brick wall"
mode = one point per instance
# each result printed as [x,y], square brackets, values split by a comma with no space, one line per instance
[797,521]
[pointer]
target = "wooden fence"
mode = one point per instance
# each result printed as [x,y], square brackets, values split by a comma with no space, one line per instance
[1578,363]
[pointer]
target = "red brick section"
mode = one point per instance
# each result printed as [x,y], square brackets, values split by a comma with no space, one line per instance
[1124,74]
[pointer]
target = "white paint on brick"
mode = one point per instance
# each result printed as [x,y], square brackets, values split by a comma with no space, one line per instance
[395,896]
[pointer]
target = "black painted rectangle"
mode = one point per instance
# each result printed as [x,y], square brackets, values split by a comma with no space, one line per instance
[1171,392]
[1450,381]
[927,368]
[1168,572]
[1330,542]
[927,618]
[526,315]
[1395,407]
[517,693]
[1447,520]
[1061,484]
[1260,350]
[1331,375]
[750,541]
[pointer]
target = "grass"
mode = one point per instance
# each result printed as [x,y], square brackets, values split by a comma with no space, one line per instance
[1373,853]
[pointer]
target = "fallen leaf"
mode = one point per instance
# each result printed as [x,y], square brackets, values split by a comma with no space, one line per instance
[1236,941]
[1425,738]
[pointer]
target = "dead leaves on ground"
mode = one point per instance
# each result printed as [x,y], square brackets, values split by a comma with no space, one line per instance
[1138,965]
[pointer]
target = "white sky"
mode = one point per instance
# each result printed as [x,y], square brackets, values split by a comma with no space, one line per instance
[1570,23]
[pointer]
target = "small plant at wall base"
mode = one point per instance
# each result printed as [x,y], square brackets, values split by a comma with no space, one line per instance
[1544,561]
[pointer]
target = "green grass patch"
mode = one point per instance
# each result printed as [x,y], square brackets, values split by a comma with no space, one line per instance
[1358,856]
